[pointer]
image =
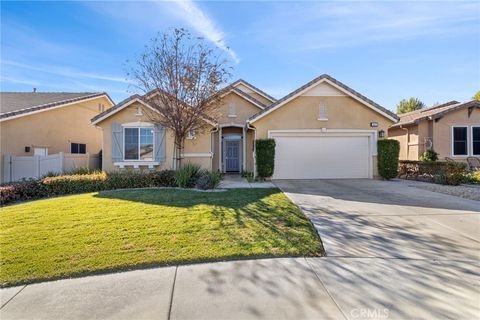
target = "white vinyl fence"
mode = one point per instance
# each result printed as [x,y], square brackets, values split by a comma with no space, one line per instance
[23,167]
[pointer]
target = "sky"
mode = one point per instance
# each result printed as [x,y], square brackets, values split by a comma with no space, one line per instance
[386,50]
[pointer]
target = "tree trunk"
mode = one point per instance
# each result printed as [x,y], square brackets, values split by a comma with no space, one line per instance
[178,152]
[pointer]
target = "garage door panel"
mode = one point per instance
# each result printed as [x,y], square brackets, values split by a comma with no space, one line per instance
[322,157]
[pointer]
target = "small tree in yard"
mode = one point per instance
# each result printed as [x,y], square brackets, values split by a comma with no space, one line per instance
[182,76]
[476,96]
[409,105]
[265,154]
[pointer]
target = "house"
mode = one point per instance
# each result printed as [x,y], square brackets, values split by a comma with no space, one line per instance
[44,123]
[323,129]
[451,129]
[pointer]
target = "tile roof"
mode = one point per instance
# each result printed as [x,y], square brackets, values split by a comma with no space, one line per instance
[253,87]
[434,112]
[18,103]
[249,97]
[333,80]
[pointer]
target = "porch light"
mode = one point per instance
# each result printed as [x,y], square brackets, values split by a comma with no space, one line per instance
[381,134]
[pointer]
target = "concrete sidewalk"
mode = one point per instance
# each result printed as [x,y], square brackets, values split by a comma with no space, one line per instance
[286,288]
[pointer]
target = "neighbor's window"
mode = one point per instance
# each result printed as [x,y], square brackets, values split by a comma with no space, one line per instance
[138,144]
[475,141]
[460,141]
[78,148]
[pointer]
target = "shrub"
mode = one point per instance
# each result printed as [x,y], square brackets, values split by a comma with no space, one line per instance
[429,156]
[209,180]
[472,177]
[164,178]
[442,172]
[186,177]
[22,190]
[68,184]
[265,157]
[388,151]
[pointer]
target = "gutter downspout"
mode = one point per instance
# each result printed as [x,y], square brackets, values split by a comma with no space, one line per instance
[212,145]
[254,151]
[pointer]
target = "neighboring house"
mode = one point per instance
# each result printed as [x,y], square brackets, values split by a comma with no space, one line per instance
[324,129]
[43,123]
[451,129]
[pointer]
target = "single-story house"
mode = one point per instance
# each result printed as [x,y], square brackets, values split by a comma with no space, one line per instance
[324,129]
[451,129]
[44,123]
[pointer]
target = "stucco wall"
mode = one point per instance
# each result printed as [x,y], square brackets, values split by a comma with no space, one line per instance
[302,113]
[260,98]
[442,131]
[244,109]
[200,145]
[54,128]
[402,137]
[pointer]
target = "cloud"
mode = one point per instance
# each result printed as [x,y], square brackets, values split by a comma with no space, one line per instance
[204,25]
[340,25]
[65,72]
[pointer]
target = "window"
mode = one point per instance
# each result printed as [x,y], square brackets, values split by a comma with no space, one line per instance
[460,141]
[191,134]
[476,141]
[138,143]
[232,110]
[78,148]
[322,112]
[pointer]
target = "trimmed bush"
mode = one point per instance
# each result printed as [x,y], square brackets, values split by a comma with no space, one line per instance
[186,177]
[388,151]
[429,156]
[265,157]
[442,172]
[209,180]
[80,183]
[69,184]
[22,190]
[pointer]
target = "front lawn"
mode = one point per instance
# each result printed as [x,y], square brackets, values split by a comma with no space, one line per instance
[123,229]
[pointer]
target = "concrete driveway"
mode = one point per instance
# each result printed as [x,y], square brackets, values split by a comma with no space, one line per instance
[393,249]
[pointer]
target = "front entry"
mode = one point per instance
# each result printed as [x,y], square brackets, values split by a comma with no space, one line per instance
[232,156]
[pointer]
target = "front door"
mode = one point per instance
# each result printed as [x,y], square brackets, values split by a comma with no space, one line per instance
[232,156]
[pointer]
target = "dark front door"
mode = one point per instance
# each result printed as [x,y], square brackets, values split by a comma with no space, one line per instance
[232,156]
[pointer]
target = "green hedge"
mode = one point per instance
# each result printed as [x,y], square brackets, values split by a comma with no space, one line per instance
[388,151]
[265,157]
[79,183]
[442,172]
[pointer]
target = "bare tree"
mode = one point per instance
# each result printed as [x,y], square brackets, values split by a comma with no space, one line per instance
[181,76]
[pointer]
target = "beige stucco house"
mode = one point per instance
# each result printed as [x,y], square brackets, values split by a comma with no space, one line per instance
[323,129]
[451,129]
[41,123]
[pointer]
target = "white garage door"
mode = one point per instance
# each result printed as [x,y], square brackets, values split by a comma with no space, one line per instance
[322,157]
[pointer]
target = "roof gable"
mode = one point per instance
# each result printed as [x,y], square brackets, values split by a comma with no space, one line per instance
[18,104]
[314,87]
[435,112]
[249,88]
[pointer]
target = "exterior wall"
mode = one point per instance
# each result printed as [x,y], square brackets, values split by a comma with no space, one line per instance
[200,145]
[249,151]
[54,128]
[342,112]
[412,143]
[125,116]
[442,131]
[302,113]
[402,137]
[244,109]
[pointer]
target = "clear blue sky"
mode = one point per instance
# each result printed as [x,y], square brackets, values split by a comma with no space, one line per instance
[385,50]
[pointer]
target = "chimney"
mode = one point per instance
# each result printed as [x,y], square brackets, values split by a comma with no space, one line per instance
[34,90]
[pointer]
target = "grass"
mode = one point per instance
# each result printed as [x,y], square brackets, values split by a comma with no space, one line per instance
[125,229]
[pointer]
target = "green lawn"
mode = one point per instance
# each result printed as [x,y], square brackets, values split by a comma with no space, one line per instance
[112,230]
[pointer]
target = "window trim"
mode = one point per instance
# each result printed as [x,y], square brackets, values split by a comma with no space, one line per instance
[78,143]
[453,142]
[322,116]
[231,106]
[153,142]
[471,140]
